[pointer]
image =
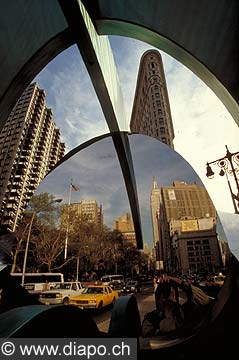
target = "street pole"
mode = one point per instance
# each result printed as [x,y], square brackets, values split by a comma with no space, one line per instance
[229,157]
[77,268]
[232,195]
[26,249]
[227,167]
[67,223]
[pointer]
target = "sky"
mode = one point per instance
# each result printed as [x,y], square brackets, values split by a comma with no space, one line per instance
[97,170]
[202,125]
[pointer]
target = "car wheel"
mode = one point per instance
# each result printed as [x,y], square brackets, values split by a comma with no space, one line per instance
[100,307]
[66,301]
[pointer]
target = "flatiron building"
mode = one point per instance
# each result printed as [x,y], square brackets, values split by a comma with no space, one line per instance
[151,114]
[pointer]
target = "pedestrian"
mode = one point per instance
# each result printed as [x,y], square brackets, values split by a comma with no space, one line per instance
[155,279]
[167,304]
[170,314]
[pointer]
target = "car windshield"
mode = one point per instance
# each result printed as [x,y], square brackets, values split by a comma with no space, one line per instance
[93,290]
[131,283]
[62,286]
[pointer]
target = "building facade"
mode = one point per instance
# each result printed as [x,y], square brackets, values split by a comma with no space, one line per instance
[30,146]
[186,200]
[125,225]
[88,210]
[187,214]
[151,114]
[155,201]
[195,247]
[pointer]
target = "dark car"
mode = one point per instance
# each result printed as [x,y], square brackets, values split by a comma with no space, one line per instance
[132,286]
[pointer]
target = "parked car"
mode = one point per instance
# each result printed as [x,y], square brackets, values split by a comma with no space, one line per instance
[61,293]
[116,285]
[95,297]
[212,284]
[132,286]
[216,280]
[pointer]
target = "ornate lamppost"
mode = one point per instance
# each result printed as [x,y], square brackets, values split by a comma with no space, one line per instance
[229,165]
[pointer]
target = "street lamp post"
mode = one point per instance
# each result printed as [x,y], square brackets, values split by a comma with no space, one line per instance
[77,267]
[26,249]
[229,165]
[75,188]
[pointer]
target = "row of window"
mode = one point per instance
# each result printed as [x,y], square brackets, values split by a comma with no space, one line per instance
[199,253]
[198,242]
[196,248]
[198,263]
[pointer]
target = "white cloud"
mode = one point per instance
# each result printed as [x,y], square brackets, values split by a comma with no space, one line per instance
[70,94]
[202,129]
[230,223]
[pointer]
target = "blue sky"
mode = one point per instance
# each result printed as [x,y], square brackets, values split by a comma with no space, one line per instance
[202,124]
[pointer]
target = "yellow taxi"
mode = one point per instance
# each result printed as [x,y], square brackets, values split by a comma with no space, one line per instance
[216,280]
[95,297]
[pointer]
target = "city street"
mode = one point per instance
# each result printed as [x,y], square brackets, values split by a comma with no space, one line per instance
[145,301]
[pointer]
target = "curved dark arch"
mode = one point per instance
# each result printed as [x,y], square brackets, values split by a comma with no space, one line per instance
[79,148]
[122,148]
[31,68]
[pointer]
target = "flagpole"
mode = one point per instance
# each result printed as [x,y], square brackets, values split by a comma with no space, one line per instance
[67,222]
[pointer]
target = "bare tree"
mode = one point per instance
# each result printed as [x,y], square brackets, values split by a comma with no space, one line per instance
[45,236]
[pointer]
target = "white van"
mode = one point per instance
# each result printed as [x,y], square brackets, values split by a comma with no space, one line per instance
[38,281]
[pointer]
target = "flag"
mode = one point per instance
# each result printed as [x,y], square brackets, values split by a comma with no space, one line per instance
[75,188]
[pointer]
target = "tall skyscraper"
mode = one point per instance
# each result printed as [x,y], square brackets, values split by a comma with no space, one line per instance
[151,113]
[155,201]
[186,200]
[30,145]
